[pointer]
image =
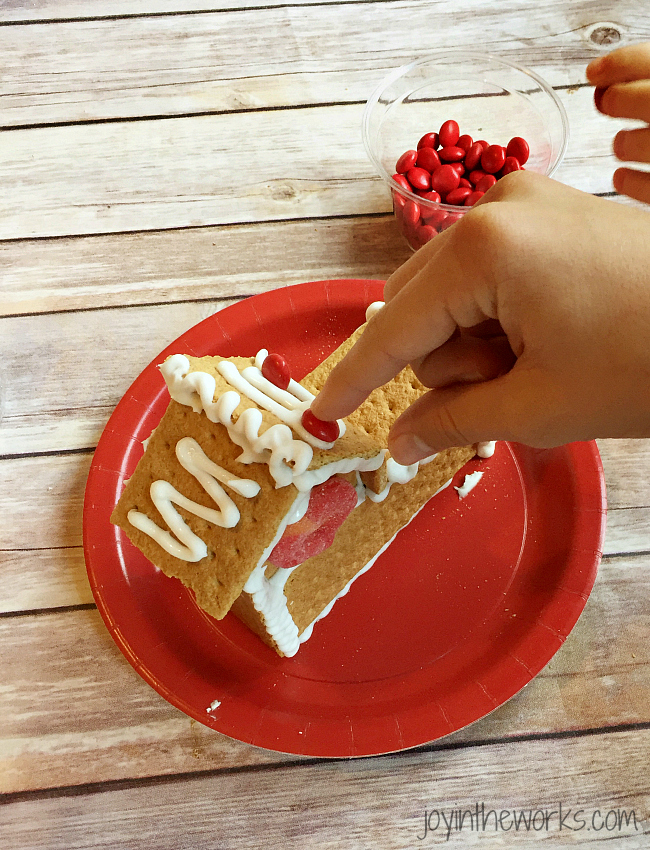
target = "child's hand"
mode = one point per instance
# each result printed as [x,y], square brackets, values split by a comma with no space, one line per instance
[622,80]
[531,315]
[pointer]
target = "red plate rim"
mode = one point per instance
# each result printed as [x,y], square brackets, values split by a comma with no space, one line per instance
[329,731]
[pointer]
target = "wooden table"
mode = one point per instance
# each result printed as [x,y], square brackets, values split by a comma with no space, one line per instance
[158,161]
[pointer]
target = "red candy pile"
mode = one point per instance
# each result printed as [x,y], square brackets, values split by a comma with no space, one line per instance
[451,169]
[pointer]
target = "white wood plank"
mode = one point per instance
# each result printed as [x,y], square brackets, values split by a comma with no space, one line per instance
[80,350]
[368,804]
[103,271]
[59,181]
[64,373]
[53,10]
[67,693]
[34,579]
[628,530]
[330,53]
[44,494]
[625,462]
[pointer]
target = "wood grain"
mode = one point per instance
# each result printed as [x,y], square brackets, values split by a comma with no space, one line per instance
[189,172]
[67,693]
[160,160]
[183,64]
[53,10]
[373,803]
[41,275]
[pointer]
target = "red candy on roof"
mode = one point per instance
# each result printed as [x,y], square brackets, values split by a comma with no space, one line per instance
[276,370]
[327,431]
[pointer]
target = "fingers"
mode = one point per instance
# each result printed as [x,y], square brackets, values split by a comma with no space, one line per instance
[626,100]
[412,266]
[401,332]
[634,184]
[415,321]
[620,66]
[465,358]
[460,415]
[633,145]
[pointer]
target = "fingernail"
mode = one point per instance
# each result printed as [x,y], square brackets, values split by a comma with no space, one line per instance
[594,68]
[619,144]
[407,448]
[598,96]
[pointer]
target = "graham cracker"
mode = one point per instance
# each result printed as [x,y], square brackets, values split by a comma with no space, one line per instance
[376,415]
[355,442]
[313,585]
[233,553]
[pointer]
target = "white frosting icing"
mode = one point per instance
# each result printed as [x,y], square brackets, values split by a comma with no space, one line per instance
[164,496]
[288,461]
[373,308]
[309,479]
[213,705]
[287,457]
[471,480]
[270,600]
[397,474]
[486,449]
[282,403]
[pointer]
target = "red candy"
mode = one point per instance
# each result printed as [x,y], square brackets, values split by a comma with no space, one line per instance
[435,218]
[464,182]
[451,154]
[457,196]
[434,197]
[465,142]
[429,140]
[411,213]
[406,162]
[419,178]
[428,159]
[445,179]
[448,134]
[470,200]
[327,431]
[486,182]
[330,504]
[518,147]
[511,164]
[492,158]
[473,156]
[460,168]
[451,218]
[476,175]
[425,233]
[402,181]
[276,370]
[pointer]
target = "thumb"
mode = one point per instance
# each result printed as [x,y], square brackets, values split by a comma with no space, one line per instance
[518,406]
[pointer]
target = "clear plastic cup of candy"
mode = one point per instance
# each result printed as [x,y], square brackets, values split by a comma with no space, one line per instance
[442,130]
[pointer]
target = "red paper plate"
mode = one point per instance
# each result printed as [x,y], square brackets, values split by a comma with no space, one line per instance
[466,606]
